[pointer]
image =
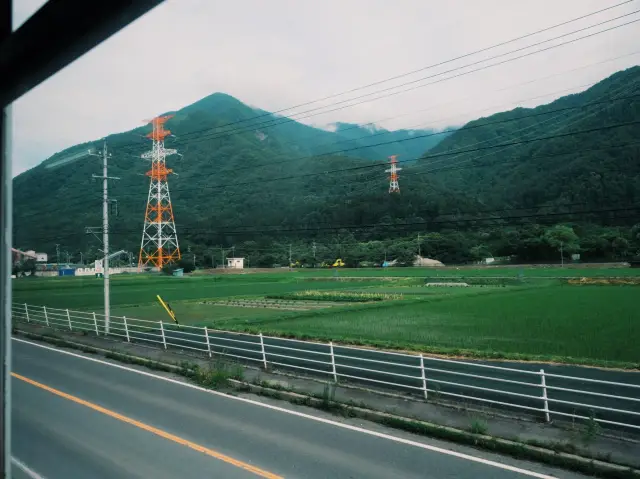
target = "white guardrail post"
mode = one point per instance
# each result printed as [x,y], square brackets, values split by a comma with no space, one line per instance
[206,335]
[46,318]
[95,323]
[424,377]
[264,355]
[69,319]
[26,311]
[126,329]
[164,340]
[333,362]
[543,384]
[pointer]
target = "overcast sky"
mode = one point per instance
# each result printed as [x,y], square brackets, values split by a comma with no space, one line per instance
[279,53]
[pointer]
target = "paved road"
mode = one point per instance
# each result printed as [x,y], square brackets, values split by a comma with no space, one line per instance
[73,417]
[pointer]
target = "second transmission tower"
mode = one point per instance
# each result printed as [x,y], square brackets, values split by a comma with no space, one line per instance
[394,187]
[159,237]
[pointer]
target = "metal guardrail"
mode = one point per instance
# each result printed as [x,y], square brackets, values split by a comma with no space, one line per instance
[541,393]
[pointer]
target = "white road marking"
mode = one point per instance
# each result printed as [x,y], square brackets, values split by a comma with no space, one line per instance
[24,468]
[409,442]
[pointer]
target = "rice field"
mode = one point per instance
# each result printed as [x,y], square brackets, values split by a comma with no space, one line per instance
[537,317]
[560,322]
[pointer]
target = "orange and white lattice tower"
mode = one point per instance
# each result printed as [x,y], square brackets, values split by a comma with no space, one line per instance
[394,187]
[159,237]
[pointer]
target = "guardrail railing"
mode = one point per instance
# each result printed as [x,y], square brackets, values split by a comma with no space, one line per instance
[611,403]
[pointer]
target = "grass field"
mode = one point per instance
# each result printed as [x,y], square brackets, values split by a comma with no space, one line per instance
[539,318]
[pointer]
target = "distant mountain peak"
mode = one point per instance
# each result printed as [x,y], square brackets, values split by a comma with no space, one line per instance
[339,127]
[216,101]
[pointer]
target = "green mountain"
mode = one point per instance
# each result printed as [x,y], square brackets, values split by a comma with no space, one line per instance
[596,168]
[375,142]
[519,183]
[242,170]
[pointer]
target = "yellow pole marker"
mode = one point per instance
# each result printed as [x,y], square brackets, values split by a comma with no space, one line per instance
[167,309]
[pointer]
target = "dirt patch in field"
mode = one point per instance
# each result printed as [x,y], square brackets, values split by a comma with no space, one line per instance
[288,305]
[605,281]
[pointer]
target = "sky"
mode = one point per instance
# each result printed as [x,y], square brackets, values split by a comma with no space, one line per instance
[281,53]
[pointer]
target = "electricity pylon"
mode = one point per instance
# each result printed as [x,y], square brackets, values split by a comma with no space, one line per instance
[394,187]
[159,244]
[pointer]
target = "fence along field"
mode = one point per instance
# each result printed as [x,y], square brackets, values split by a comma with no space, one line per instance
[536,392]
[529,319]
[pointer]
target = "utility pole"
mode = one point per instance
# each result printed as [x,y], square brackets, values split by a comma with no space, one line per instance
[222,257]
[561,254]
[81,258]
[105,233]
[67,253]
[233,251]
[419,247]
[314,254]
[289,255]
[58,255]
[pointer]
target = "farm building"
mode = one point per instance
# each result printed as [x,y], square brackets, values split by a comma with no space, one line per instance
[235,263]
[420,261]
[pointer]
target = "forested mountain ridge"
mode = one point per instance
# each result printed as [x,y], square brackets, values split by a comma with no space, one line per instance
[241,168]
[260,182]
[597,168]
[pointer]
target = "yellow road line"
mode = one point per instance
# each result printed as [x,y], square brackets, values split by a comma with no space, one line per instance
[154,430]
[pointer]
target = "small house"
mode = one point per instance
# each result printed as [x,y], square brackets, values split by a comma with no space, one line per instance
[235,263]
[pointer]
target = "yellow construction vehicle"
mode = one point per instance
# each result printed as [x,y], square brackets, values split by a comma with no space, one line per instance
[339,263]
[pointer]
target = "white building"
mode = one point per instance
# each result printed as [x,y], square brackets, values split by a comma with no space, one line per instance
[235,263]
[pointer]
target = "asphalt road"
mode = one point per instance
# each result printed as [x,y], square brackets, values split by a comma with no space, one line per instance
[74,417]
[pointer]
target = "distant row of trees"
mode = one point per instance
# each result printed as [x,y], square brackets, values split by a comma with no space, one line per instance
[527,243]
[532,242]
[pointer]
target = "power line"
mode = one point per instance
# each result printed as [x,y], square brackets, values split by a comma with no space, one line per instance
[437,221]
[620,90]
[225,134]
[440,155]
[445,154]
[422,124]
[228,133]
[374,145]
[400,140]
[451,60]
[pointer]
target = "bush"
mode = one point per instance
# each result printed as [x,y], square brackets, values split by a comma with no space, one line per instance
[185,264]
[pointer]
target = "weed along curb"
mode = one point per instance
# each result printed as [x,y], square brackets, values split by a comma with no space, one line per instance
[229,376]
